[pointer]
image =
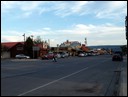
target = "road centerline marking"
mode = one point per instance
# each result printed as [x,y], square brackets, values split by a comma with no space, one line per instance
[60,79]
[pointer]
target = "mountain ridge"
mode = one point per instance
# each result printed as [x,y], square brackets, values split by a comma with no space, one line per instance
[113,47]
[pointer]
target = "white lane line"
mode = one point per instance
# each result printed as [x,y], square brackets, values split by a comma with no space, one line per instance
[60,78]
[52,82]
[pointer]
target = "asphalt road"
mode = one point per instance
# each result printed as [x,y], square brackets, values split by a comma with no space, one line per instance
[73,76]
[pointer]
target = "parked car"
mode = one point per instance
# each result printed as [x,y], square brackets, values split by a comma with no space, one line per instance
[22,56]
[81,54]
[66,54]
[48,56]
[62,55]
[57,55]
[85,54]
[117,57]
[89,54]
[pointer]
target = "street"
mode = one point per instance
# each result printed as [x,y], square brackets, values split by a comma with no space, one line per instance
[72,76]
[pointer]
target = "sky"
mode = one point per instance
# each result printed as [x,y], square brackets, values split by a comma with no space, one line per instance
[100,22]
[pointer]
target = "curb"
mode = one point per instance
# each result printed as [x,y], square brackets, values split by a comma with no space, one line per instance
[123,85]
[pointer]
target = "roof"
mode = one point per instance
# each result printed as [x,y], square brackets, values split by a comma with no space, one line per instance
[10,44]
[70,43]
[39,45]
[43,46]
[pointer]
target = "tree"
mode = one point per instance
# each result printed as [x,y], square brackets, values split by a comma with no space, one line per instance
[28,47]
[124,49]
[38,40]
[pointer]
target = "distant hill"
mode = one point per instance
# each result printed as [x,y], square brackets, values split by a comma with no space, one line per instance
[113,47]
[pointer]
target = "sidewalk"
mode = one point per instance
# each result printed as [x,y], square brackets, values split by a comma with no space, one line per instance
[123,87]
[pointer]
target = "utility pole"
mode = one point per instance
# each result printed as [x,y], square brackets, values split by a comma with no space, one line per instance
[24,37]
[24,43]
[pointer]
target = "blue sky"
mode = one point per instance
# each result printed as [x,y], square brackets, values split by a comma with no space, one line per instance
[101,22]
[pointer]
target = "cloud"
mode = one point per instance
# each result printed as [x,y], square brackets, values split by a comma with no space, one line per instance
[112,9]
[31,5]
[60,8]
[64,9]
[25,14]
[8,38]
[11,36]
[95,34]
[23,5]
[107,9]
[9,4]
[26,8]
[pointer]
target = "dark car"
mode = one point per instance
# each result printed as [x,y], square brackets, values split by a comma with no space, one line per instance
[117,56]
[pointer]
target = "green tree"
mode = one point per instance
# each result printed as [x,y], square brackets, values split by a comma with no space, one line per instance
[124,49]
[28,47]
[38,40]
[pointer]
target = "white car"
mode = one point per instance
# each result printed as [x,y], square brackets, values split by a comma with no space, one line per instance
[81,55]
[22,56]
[58,55]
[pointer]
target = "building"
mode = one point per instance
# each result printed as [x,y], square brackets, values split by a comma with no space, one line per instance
[43,49]
[84,48]
[13,48]
[71,44]
[72,47]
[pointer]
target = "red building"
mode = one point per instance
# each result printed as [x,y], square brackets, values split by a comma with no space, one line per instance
[84,48]
[14,48]
[43,49]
